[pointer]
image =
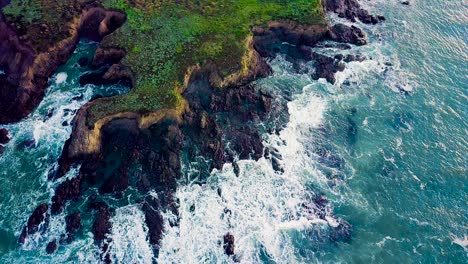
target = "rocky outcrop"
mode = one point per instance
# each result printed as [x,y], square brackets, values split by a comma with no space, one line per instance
[51,247]
[204,122]
[70,189]
[267,38]
[4,138]
[39,218]
[352,10]
[27,68]
[228,244]
[346,34]
[102,228]
[73,224]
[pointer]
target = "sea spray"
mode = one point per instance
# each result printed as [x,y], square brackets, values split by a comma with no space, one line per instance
[259,206]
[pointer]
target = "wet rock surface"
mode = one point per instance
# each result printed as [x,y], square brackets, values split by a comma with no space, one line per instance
[228,244]
[346,34]
[38,218]
[73,224]
[51,247]
[4,138]
[147,158]
[28,63]
[352,10]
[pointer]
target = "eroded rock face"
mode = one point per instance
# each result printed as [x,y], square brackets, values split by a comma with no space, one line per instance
[27,67]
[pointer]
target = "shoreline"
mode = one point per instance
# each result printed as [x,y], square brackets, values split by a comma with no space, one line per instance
[199,118]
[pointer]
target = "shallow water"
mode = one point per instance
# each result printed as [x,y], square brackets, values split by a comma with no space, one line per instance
[386,144]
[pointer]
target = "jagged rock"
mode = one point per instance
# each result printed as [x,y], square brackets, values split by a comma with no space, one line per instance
[4,138]
[51,247]
[69,189]
[107,56]
[28,67]
[38,217]
[102,227]
[346,34]
[153,220]
[73,223]
[351,9]
[229,244]
[266,38]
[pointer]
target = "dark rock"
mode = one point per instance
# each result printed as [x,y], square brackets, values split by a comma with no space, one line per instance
[49,113]
[69,189]
[51,247]
[73,224]
[153,220]
[4,3]
[405,2]
[346,34]
[38,217]
[78,97]
[2,149]
[326,67]
[107,56]
[228,244]
[350,9]
[4,138]
[83,61]
[102,225]
[342,232]
[236,168]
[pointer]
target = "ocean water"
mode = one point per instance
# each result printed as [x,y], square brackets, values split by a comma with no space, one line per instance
[386,145]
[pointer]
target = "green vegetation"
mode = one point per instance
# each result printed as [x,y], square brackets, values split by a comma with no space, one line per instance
[42,22]
[163,38]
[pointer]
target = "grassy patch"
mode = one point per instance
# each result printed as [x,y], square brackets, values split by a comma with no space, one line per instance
[164,38]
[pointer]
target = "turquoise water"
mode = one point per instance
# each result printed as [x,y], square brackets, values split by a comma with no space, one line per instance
[387,145]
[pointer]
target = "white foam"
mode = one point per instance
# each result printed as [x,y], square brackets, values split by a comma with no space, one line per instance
[61,77]
[129,236]
[462,242]
[258,207]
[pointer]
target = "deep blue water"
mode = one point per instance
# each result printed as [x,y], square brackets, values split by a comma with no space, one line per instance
[386,144]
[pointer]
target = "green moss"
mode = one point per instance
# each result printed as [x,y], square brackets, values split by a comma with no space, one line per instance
[164,38]
[42,23]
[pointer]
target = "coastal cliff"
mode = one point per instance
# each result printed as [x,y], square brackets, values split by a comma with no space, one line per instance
[184,80]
